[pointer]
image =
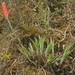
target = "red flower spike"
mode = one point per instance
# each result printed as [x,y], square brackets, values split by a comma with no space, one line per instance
[5,10]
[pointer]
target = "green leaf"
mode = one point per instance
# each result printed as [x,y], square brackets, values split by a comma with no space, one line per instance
[48,49]
[41,43]
[57,10]
[36,44]
[31,48]
[67,52]
[24,52]
[50,58]
[52,42]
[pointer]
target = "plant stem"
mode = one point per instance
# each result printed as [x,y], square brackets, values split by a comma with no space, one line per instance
[11,28]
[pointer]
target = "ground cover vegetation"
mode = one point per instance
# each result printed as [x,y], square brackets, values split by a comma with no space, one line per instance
[37,37]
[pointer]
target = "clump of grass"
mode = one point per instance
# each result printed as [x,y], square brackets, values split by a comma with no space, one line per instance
[44,53]
[66,52]
[38,51]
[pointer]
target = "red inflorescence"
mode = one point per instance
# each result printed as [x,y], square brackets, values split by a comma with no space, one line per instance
[5,10]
